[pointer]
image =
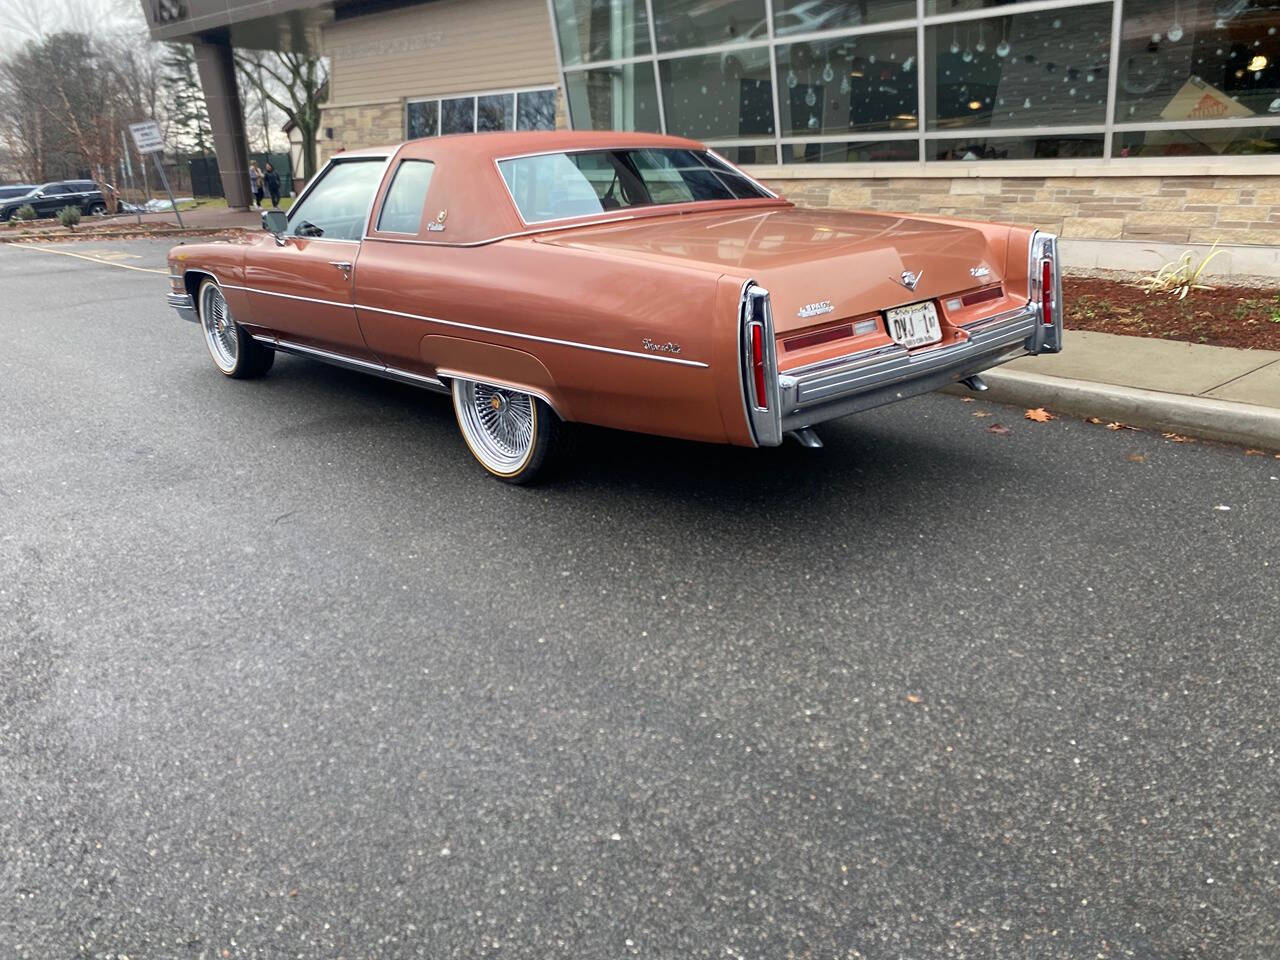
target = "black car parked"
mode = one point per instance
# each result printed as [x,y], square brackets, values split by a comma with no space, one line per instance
[49,198]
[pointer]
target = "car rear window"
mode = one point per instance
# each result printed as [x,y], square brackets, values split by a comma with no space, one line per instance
[557,186]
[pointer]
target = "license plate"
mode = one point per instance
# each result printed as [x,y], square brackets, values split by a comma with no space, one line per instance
[914,325]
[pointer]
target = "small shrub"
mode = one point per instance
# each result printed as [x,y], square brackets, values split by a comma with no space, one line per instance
[1177,278]
[25,212]
[69,217]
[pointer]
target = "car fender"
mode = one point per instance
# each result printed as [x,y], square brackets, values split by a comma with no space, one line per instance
[460,358]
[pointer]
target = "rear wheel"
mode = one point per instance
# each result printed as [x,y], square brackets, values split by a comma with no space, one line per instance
[234,352]
[96,209]
[512,434]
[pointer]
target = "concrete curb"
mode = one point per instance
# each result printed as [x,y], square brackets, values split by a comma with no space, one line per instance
[1203,417]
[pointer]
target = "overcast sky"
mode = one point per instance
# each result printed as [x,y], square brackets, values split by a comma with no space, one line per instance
[24,20]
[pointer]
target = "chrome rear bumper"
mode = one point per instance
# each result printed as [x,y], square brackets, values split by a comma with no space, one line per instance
[185,306]
[836,388]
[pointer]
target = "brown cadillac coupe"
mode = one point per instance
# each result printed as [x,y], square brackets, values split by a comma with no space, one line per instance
[627,280]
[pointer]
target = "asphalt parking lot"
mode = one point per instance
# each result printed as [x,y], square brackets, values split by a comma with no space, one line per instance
[283,674]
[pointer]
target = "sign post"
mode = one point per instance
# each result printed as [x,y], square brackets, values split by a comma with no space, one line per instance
[148,139]
[128,171]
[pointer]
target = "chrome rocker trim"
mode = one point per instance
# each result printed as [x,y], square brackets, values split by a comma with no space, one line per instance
[184,304]
[351,363]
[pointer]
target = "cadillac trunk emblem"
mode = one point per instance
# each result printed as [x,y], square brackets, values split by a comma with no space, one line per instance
[909,279]
[815,309]
[438,223]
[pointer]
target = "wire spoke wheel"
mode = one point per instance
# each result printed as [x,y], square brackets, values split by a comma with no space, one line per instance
[220,331]
[500,425]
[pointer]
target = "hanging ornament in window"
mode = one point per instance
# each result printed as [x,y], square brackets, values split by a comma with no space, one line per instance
[810,98]
[828,74]
[813,122]
[908,64]
[981,45]
[792,79]
[845,86]
[955,40]
[1175,28]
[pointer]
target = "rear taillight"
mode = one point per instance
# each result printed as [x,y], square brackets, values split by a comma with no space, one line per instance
[758,366]
[1046,292]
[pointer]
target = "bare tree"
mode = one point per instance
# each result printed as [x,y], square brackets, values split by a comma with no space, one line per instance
[293,82]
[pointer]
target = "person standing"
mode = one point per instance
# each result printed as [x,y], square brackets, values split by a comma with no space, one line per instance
[255,182]
[273,185]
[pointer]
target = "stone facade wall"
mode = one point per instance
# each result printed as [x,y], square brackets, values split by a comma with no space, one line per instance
[1229,210]
[371,125]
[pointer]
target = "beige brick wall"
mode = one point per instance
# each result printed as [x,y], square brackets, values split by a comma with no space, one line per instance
[1229,210]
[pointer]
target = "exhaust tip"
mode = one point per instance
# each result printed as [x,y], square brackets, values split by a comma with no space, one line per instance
[975,383]
[806,438]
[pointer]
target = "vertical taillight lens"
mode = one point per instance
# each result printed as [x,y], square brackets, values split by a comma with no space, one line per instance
[757,365]
[1046,292]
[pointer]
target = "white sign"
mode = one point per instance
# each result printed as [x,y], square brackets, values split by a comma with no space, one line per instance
[147,137]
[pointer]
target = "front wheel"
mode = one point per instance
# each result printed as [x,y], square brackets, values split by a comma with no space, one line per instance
[512,434]
[234,352]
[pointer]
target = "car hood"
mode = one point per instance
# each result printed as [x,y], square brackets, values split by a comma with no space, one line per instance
[805,256]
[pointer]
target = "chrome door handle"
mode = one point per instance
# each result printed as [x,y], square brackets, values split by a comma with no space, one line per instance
[343,265]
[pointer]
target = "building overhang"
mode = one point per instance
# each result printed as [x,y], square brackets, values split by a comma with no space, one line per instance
[254,24]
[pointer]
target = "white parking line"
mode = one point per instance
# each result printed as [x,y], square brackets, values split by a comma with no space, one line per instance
[80,256]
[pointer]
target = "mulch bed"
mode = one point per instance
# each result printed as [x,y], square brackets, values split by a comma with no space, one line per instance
[1223,317]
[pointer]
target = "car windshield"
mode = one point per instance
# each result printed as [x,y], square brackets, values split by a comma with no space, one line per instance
[557,186]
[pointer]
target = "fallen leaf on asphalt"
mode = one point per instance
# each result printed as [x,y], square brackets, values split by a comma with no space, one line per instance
[1094,420]
[912,698]
[1137,458]
[999,428]
[1177,438]
[966,399]
[1115,426]
[1255,453]
[1039,415]
[1222,506]
[981,413]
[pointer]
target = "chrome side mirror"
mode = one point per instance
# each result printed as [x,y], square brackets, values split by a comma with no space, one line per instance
[275,223]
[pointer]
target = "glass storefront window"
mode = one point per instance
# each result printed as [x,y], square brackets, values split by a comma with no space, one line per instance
[613,98]
[751,153]
[810,16]
[933,7]
[536,110]
[422,118]
[840,81]
[458,115]
[593,30]
[1066,146]
[1047,68]
[1198,60]
[863,82]
[495,112]
[1202,142]
[883,151]
[687,24]
[719,96]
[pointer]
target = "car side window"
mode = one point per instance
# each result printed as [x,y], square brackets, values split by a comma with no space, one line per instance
[406,197]
[337,206]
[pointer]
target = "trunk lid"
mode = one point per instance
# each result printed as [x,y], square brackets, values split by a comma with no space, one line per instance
[807,258]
